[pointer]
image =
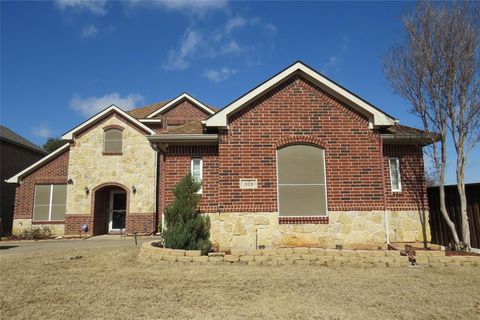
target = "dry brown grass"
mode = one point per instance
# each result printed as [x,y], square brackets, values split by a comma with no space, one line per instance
[111,283]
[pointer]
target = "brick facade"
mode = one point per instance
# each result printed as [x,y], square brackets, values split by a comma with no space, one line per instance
[177,163]
[290,113]
[297,112]
[414,193]
[181,113]
[140,223]
[55,171]
[74,223]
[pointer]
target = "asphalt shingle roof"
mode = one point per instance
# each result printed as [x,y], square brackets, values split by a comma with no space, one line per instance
[9,135]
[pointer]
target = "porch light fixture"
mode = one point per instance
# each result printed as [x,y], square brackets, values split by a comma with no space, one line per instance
[70,181]
[134,190]
[87,191]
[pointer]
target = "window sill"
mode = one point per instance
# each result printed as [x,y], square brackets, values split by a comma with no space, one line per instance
[303,220]
[112,153]
[48,222]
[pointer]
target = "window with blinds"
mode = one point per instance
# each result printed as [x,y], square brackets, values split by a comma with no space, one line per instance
[301,181]
[112,141]
[50,202]
[395,178]
[197,170]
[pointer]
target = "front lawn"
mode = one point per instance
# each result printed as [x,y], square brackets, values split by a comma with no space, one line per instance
[111,283]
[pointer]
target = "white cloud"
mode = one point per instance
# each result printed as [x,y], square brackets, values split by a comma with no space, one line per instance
[195,7]
[42,131]
[98,7]
[210,44]
[92,105]
[231,47]
[333,63]
[270,27]
[89,31]
[178,59]
[218,75]
[235,23]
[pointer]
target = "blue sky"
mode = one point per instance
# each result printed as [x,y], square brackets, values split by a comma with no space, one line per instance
[63,61]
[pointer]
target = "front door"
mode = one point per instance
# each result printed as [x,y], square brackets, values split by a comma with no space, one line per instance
[118,206]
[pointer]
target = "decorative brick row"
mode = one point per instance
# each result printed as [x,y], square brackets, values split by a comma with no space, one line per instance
[303,220]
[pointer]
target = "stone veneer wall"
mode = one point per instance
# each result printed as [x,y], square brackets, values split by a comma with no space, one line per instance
[21,224]
[351,229]
[89,167]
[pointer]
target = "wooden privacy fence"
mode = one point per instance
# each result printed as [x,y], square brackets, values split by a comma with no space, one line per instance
[439,229]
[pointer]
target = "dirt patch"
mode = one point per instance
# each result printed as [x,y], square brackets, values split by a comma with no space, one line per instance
[110,283]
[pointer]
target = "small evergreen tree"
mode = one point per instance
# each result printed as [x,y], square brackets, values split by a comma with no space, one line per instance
[185,229]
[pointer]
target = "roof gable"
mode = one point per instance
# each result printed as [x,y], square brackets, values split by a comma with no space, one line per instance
[113,108]
[376,117]
[186,96]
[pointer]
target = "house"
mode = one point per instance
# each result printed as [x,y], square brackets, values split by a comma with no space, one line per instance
[16,153]
[297,161]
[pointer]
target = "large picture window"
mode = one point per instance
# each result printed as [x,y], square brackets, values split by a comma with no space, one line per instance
[301,181]
[112,141]
[50,202]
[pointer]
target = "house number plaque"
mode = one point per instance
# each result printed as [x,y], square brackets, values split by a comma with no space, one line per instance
[248,184]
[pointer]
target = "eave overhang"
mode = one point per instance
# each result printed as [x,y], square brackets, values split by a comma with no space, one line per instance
[199,139]
[418,139]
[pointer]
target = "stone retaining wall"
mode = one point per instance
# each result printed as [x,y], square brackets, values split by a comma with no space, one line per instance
[306,256]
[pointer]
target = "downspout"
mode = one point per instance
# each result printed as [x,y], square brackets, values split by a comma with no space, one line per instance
[155,189]
[385,214]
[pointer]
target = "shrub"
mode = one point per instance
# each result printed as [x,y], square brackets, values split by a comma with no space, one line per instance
[185,229]
[34,233]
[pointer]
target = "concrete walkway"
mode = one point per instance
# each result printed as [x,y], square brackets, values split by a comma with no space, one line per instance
[114,241]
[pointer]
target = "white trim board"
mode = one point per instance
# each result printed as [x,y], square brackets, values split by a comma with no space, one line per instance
[16,178]
[376,117]
[156,120]
[177,99]
[69,135]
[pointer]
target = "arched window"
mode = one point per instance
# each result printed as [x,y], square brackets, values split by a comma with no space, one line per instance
[112,141]
[301,181]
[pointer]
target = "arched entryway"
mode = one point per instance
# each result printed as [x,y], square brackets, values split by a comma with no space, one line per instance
[110,206]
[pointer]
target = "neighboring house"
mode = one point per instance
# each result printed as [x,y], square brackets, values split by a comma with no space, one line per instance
[296,161]
[16,153]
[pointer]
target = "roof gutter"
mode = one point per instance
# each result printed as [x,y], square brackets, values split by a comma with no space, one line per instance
[183,138]
[409,138]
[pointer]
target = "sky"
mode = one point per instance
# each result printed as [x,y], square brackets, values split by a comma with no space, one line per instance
[63,61]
